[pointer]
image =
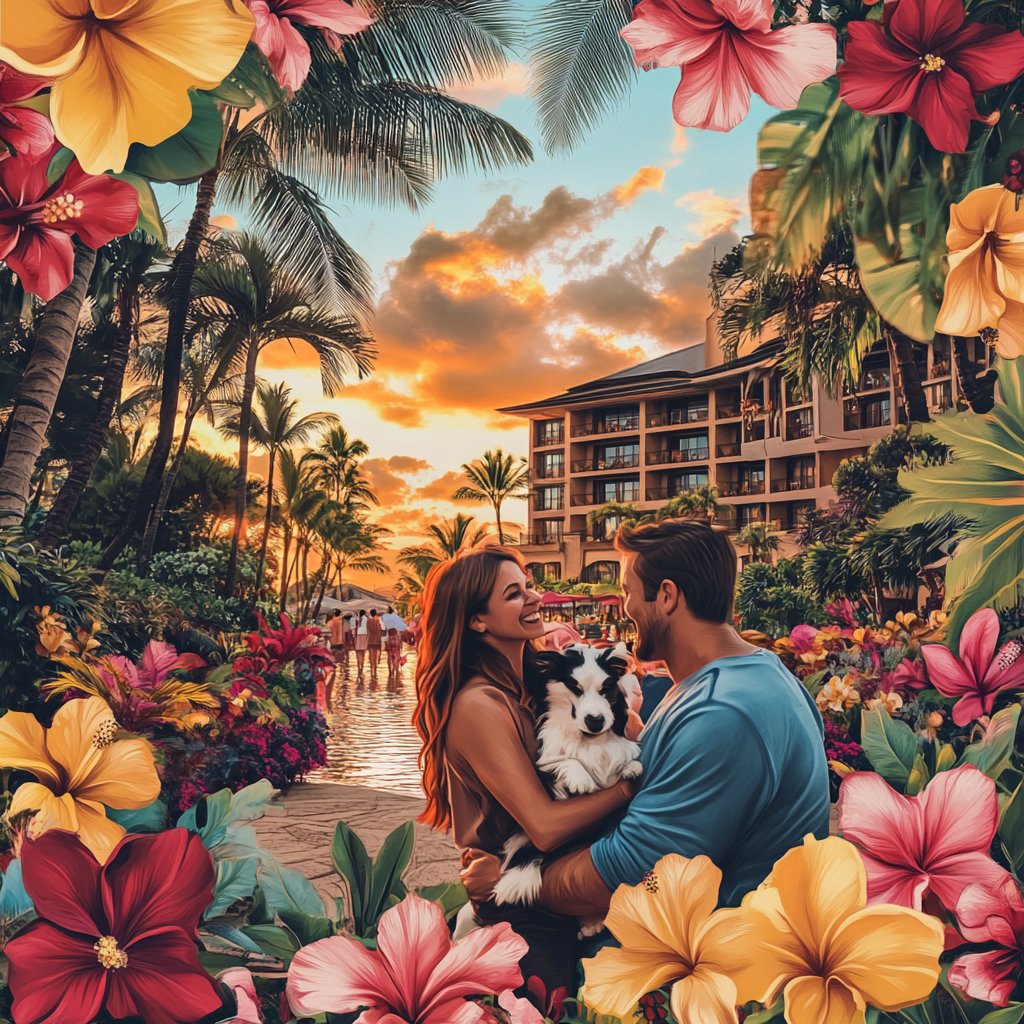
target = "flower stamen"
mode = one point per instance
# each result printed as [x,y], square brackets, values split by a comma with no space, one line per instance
[650,882]
[929,62]
[109,955]
[105,734]
[61,207]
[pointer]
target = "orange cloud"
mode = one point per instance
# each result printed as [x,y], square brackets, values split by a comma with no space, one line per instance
[680,143]
[491,92]
[717,214]
[647,179]
[444,487]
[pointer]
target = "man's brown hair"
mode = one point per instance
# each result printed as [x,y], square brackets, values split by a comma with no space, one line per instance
[699,560]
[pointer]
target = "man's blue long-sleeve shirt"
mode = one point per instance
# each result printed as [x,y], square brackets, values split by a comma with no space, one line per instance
[734,768]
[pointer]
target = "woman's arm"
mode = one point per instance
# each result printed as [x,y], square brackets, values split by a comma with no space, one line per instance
[486,736]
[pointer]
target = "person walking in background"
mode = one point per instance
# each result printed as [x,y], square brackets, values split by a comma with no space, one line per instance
[361,641]
[374,633]
[336,624]
[394,625]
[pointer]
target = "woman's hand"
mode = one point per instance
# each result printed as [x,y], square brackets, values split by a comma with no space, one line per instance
[480,873]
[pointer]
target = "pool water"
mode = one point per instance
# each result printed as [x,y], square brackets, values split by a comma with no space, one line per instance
[372,741]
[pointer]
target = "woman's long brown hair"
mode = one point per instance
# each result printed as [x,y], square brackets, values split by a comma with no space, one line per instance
[448,653]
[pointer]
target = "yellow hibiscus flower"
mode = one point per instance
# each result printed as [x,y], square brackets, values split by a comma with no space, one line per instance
[670,935]
[80,768]
[826,951]
[985,286]
[122,68]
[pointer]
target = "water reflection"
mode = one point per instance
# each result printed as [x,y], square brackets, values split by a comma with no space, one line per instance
[372,740]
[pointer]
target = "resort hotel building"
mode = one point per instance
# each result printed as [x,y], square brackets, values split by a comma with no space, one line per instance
[651,432]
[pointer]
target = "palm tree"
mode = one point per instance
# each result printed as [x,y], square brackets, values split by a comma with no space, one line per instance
[446,540]
[698,502]
[347,541]
[761,544]
[126,263]
[245,292]
[301,500]
[333,460]
[275,428]
[495,478]
[25,428]
[620,515]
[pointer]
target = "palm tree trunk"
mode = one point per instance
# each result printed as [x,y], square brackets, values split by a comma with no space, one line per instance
[177,309]
[978,391]
[27,424]
[167,485]
[497,515]
[285,567]
[63,508]
[244,427]
[266,521]
[910,387]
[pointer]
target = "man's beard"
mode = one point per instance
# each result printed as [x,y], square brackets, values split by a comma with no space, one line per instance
[652,640]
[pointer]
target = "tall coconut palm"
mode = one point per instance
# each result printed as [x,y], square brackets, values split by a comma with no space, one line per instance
[275,427]
[701,501]
[301,499]
[620,514]
[346,541]
[446,540]
[759,542]
[334,459]
[245,292]
[495,478]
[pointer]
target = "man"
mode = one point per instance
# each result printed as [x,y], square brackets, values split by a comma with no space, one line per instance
[394,625]
[374,632]
[733,761]
[338,626]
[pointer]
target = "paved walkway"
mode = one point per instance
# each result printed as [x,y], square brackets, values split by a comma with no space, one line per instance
[300,833]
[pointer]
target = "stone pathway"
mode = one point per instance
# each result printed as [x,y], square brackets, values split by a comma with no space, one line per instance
[299,834]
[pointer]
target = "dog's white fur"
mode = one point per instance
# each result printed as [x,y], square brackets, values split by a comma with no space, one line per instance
[581,760]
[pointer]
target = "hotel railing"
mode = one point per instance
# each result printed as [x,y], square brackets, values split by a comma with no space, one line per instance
[670,456]
[600,465]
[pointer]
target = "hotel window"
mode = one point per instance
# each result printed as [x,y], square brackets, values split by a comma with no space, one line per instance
[553,466]
[551,432]
[750,514]
[607,528]
[552,571]
[621,420]
[799,423]
[536,570]
[795,395]
[696,448]
[875,412]
[549,499]
[752,480]
[693,411]
[800,473]
[602,572]
[622,456]
[622,491]
[877,372]
[683,482]
[551,529]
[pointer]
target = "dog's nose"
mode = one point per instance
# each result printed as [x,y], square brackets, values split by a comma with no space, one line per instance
[595,723]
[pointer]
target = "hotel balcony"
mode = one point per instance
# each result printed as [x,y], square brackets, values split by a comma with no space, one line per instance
[535,540]
[804,484]
[626,425]
[579,500]
[549,472]
[725,451]
[671,456]
[739,488]
[600,465]
[728,411]
[677,417]
[549,440]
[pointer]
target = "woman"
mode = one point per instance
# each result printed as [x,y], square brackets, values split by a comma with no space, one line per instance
[360,643]
[477,698]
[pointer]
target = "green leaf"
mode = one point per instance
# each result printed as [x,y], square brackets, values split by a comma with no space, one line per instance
[813,683]
[308,928]
[273,940]
[232,94]
[234,880]
[59,163]
[918,777]
[152,818]
[352,862]
[890,745]
[390,865]
[1011,1014]
[186,156]
[768,1013]
[992,753]
[946,758]
[451,897]
[149,210]
[1011,830]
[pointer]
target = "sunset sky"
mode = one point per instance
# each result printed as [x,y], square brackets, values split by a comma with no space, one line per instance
[509,288]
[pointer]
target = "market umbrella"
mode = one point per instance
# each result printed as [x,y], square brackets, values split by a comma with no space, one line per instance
[551,598]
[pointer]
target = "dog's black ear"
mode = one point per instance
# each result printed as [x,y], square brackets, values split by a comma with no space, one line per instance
[613,663]
[549,664]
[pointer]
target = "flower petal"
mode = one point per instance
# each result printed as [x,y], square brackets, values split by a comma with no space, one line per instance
[43,259]
[123,776]
[817,1001]
[96,830]
[22,738]
[670,33]
[749,16]
[344,19]
[978,641]
[961,870]
[878,75]
[43,38]
[703,997]
[947,672]
[901,884]
[991,913]
[960,813]
[63,880]
[158,881]
[921,24]
[52,811]
[713,92]
[1010,343]
[780,65]
[29,133]
[338,975]
[944,107]
[890,955]
[413,938]
[986,55]
[110,207]
[54,975]
[484,961]
[15,87]
[617,978]
[990,976]
[280,42]
[968,708]
[164,980]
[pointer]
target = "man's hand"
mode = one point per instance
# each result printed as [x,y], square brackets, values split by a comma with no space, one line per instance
[480,873]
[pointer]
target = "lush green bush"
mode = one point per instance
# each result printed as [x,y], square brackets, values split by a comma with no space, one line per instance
[769,599]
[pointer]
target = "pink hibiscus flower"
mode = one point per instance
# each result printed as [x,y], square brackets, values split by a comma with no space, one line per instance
[26,131]
[37,219]
[908,675]
[990,914]
[416,975]
[243,988]
[923,61]
[936,842]
[282,44]
[726,49]
[980,673]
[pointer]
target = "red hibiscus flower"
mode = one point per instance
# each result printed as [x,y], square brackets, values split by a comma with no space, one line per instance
[27,132]
[726,49]
[37,219]
[119,937]
[923,61]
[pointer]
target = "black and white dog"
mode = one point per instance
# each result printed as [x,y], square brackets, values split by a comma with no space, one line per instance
[582,745]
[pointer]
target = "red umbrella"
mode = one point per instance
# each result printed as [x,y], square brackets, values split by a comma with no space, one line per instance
[550,597]
[608,599]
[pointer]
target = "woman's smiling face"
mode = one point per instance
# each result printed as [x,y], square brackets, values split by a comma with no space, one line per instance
[513,611]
